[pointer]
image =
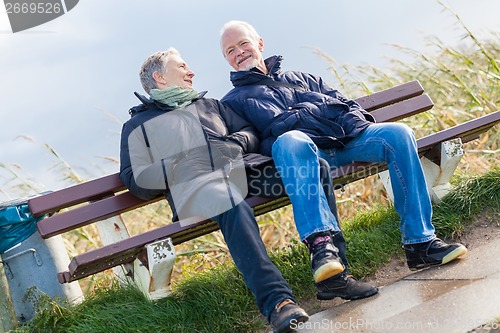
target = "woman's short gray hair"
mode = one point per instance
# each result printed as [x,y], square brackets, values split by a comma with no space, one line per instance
[239,24]
[157,62]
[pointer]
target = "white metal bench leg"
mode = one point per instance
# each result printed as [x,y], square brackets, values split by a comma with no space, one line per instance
[437,170]
[111,231]
[155,281]
[386,181]
[438,176]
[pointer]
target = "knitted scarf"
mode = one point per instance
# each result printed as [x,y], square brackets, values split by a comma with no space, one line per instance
[174,96]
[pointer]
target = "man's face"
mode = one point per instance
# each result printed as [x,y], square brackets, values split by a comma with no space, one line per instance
[241,51]
[178,73]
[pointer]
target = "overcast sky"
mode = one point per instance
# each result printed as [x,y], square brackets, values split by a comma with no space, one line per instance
[69,83]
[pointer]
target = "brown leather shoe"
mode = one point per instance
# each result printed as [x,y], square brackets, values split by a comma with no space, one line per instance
[286,315]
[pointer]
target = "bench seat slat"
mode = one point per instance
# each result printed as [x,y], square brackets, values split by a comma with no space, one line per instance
[126,250]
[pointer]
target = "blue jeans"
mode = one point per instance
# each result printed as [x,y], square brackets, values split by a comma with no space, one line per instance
[262,277]
[392,143]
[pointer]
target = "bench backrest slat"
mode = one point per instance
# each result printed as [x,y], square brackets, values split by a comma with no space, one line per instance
[403,109]
[75,194]
[87,214]
[390,96]
[123,202]
[465,131]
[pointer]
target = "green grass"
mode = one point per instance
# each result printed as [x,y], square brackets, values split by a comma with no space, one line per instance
[218,301]
[471,196]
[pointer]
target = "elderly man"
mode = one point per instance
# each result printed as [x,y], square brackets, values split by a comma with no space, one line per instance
[300,119]
[193,150]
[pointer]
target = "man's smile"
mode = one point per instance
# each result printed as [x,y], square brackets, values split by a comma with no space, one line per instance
[243,58]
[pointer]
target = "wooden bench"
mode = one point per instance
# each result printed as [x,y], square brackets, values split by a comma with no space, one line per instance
[105,198]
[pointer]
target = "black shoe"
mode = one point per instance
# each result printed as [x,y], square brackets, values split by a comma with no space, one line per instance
[287,315]
[434,252]
[325,261]
[344,286]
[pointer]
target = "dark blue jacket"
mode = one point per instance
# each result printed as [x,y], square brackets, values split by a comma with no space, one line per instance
[324,114]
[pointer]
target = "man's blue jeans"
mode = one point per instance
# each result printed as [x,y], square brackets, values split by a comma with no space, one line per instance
[296,158]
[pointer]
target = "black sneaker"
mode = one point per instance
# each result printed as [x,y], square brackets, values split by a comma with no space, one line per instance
[325,261]
[344,286]
[434,252]
[286,315]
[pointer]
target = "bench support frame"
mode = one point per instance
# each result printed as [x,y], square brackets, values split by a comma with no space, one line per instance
[439,165]
[153,281]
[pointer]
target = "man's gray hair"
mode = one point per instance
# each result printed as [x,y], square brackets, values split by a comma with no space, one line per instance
[157,62]
[239,24]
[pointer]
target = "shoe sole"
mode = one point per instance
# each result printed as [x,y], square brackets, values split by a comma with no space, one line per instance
[455,254]
[327,271]
[329,296]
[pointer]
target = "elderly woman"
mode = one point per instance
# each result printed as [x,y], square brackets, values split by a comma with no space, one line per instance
[193,150]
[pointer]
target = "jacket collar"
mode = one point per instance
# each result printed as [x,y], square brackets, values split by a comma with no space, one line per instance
[242,78]
[148,103]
